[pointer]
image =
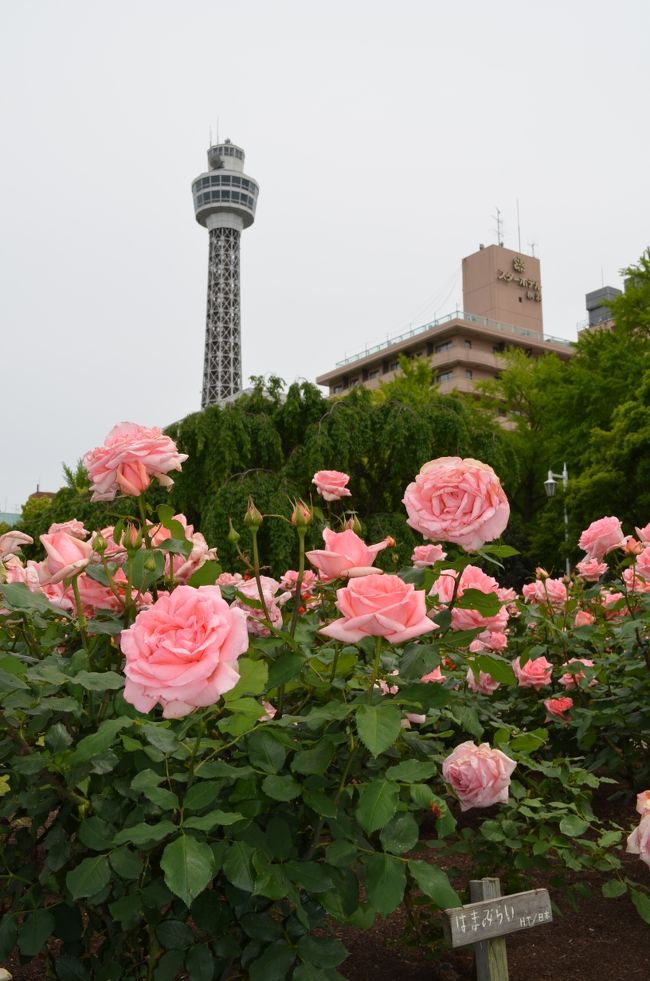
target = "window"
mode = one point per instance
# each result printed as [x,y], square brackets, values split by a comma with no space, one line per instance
[445,346]
[469,373]
[374,373]
[468,344]
[498,348]
[337,389]
[444,376]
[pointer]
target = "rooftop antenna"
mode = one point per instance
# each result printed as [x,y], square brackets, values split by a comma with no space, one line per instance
[210,143]
[518,229]
[499,222]
[217,130]
[531,246]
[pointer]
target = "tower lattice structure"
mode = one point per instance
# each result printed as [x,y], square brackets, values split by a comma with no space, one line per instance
[225,199]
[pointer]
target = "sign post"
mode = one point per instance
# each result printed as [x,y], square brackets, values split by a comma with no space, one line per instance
[487,920]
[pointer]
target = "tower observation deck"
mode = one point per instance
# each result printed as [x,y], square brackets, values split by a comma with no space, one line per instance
[224,202]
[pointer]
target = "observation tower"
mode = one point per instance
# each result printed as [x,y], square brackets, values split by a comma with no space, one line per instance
[224,202]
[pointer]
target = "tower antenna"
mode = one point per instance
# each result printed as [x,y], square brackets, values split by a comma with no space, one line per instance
[531,246]
[499,222]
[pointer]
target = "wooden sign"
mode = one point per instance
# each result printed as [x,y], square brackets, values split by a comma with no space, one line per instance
[487,921]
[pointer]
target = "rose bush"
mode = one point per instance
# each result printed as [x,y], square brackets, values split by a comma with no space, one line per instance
[198,779]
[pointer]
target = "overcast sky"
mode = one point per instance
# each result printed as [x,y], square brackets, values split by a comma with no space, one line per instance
[383,137]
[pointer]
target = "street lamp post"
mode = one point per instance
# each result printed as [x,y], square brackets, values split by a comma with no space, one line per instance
[549,486]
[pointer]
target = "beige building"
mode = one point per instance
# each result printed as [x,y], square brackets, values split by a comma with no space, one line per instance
[502,308]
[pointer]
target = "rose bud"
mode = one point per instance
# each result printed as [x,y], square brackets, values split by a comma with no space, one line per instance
[301,515]
[252,518]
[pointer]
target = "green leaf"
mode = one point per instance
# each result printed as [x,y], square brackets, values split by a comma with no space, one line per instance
[265,752]
[253,677]
[168,965]
[69,968]
[146,779]
[201,794]
[641,904]
[99,680]
[89,877]
[188,867]
[127,910]
[401,834]
[310,875]
[57,738]
[205,575]
[314,761]
[434,883]
[282,788]
[321,951]
[286,667]
[96,834]
[174,934]
[126,863]
[377,804]
[8,935]
[19,597]
[613,888]
[410,771]
[238,866]
[98,742]
[34,932]
[162,797]
[487,604]
[468,718]
[378,726]
[497,668]
[573,826]
[320,803]
[385,882]
[199,961]
[161,737]
[208,821]
[274,963]
[144,834]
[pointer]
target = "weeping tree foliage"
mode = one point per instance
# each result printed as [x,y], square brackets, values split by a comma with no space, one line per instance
[269,448]
[268,445]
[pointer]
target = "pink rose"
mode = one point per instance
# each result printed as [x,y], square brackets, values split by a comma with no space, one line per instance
[610,599]
[130,457]
[643,534]
[591,569]
[66,555]
[643,563]
[601,537]
[290,579]
[184,566]
[73,527]
[471,578]
[28,574]
[256,621]
[489,640]
[572,679]
[479,775]
[535,673]
[269,712]
[485,684]
[638,842]
[379,606]
[230,579]
[345,554]
[331,484]
[558,707]
[435,676]
[459,501]
[424,555]
[584,618]
[549,592]
[182,652]
[643,802]
[11,542]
